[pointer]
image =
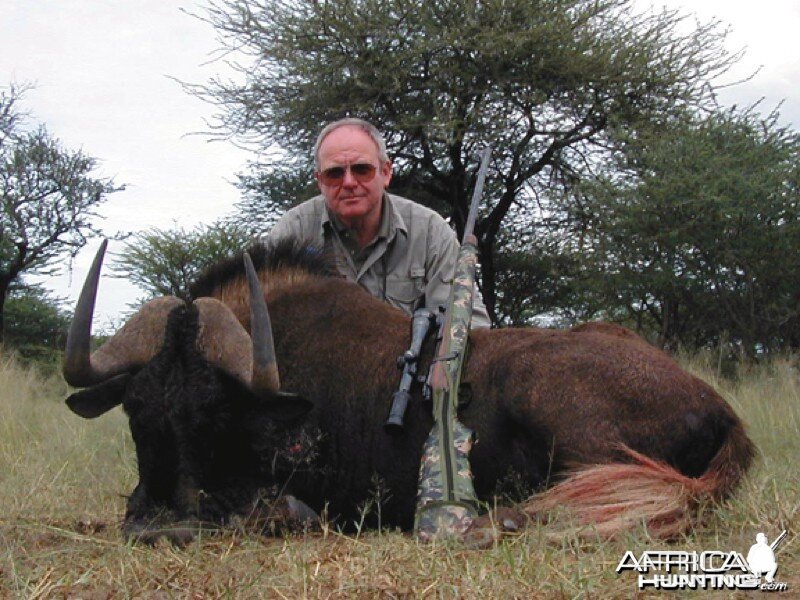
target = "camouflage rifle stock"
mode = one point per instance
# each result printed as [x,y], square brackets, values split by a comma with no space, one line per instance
[446,502]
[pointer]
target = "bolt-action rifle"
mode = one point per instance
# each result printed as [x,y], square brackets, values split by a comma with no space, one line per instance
[446,501]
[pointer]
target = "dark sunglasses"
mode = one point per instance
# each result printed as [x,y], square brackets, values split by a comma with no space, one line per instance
[362,173]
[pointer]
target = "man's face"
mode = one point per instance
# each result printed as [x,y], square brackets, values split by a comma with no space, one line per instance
[354,198]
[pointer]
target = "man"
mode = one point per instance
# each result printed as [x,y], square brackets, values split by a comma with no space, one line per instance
[398,250]
[761,558]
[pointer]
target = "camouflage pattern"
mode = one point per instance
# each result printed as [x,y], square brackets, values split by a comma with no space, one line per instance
[436,516]
[446,502]
[447,373]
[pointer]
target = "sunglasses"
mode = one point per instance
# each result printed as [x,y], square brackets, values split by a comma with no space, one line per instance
[361,172]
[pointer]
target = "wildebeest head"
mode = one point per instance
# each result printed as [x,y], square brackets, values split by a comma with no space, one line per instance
[199,392]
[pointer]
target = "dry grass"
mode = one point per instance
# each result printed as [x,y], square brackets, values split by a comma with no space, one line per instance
[62,480]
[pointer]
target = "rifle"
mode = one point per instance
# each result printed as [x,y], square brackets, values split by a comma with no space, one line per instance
[777,541]
[420,323]
[446,501]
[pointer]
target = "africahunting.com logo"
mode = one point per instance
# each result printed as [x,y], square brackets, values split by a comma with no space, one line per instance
[708,570]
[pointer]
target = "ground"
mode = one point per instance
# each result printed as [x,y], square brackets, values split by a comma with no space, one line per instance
[63,480]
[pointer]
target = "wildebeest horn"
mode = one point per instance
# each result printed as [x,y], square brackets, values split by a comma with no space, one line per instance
[265,367]
[226,344]
[131,347]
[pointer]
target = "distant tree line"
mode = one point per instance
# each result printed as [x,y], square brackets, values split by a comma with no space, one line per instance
[618,189]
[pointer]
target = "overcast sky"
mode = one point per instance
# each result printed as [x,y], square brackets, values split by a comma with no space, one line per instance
[103,73]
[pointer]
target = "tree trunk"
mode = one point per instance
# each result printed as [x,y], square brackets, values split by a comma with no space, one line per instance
[488,277]
[666,323]
[5,283]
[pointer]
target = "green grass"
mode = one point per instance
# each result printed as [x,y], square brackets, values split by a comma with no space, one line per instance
[62,481]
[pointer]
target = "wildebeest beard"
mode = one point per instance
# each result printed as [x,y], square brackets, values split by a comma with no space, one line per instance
[206,450]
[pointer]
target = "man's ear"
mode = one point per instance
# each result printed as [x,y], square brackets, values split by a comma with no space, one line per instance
[285,406]
[99,399]
[386,171]
[319,183]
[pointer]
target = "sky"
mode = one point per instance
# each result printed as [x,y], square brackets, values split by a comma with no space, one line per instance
[104,76]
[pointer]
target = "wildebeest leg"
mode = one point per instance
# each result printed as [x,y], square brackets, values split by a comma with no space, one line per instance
[147,523]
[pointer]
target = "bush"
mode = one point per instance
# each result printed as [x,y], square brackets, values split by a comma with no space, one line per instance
[35,324]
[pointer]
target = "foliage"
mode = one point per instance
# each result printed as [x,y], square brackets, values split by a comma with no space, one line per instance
[267,193]
[48,197]
[35,323]
[693,235]
[534,288]
[540,81]
[163,262]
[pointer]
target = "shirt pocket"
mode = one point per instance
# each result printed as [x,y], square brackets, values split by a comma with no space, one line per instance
[405,292]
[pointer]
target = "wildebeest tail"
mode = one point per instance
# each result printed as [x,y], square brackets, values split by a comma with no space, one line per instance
[611,498]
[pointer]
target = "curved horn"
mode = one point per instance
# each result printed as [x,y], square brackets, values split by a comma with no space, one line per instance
[132,346]
[77,367]
[265,367]
[226,344]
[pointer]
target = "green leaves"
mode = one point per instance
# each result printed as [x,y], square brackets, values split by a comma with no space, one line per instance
[48,197]
[35,324]
[706,227]
[163,262]
[542,81]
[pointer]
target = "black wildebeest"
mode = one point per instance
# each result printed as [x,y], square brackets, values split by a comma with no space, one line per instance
[596,408]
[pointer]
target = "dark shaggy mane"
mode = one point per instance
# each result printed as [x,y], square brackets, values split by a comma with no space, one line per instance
[285,254]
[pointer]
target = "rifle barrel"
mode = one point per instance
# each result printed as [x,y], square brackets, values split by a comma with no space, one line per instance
[476,194]
[777,541]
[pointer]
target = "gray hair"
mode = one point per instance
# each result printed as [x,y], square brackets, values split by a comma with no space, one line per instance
[365,126]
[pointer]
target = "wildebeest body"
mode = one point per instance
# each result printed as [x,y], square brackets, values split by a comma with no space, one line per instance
[542,399]
[542,402]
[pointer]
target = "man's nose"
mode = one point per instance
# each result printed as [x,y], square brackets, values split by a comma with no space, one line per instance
[349,180]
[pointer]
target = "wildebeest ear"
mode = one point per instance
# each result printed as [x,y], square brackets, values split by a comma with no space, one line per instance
[286,406]
[99,399]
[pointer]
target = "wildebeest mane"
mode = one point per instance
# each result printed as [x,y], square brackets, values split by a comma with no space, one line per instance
[286,255]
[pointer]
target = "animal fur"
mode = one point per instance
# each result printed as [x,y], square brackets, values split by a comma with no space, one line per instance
[610,425]
[544,402]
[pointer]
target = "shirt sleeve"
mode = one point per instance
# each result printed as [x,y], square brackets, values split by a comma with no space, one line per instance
[439,270]
[288,226]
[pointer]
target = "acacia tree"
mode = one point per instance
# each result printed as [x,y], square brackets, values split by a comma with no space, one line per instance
[48,197]
[163,262]
[266,194]
[695,236]
[35,322]
[539,80]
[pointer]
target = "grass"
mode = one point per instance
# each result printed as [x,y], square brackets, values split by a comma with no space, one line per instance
[62,481]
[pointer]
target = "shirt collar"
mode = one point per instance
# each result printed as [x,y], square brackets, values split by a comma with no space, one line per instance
[391,220]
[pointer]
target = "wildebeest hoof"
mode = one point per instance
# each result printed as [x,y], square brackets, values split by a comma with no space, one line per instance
[288,514]
[285,514]
[178,534]
[488,529]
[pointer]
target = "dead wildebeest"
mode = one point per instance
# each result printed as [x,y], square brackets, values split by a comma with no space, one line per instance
[625,434]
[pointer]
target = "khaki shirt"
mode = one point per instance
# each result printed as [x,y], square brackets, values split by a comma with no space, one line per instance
[410,262]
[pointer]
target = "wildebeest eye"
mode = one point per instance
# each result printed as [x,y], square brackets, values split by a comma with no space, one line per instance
[99,399]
